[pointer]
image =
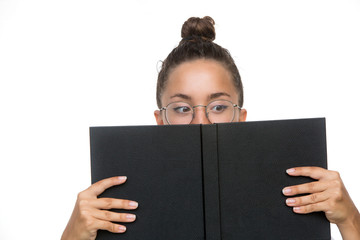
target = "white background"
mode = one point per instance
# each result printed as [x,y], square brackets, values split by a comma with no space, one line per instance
[67,65]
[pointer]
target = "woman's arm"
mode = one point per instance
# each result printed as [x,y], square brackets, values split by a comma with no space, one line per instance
[90,214]
[329,195]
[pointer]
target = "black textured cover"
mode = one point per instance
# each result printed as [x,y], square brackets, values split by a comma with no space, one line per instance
[163,166]
[253,157]
[219,181]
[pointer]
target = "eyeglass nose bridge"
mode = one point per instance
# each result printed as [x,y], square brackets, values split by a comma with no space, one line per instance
[199,106]
[206,113]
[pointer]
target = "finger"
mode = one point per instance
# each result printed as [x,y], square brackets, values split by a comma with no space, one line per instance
[313,172]
[113,203]
[100,186]
[316,207]
[312,187]
[113,216]
[109,226]
[306,200]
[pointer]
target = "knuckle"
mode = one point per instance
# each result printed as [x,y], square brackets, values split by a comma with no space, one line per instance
[84,214]
[121,203]
[85,217]
[335,174]
[83,203]
[121,217]
[100,185]
[108,202]
[81,195]
[311,186]
[337,196]
[309,208]
[111,227]
[313,198]
[107,215]
[89,224]
[294,190]
[336,183]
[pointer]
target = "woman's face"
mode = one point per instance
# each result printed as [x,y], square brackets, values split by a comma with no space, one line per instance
[199,82]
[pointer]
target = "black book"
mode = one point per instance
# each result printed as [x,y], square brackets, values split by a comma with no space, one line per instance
[219,181]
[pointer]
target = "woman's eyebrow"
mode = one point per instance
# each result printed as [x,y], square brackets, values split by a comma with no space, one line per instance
[180,95]
[210,97]
[218,94]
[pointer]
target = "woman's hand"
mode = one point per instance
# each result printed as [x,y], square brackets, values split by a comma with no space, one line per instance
[329,195]
[90,212]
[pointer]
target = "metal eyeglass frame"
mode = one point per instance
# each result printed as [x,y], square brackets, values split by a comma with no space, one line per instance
[205,106]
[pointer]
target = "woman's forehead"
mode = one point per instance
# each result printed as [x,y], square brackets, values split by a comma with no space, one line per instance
[199,79]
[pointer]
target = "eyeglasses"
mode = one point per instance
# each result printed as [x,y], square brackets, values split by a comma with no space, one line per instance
[217,111]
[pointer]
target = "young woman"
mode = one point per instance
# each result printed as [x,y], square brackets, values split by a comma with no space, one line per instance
[199,83]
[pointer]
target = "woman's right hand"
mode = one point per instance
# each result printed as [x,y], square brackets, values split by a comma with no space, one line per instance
[90,213]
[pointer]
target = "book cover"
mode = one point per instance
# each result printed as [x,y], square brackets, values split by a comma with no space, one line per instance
[218,181]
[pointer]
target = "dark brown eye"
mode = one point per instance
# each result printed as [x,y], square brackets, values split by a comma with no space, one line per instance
[182,109]
[218,108]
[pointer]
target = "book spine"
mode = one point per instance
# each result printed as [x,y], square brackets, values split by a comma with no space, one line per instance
[211,182]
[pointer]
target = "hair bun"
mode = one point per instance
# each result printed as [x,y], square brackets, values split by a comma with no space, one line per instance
[199,27]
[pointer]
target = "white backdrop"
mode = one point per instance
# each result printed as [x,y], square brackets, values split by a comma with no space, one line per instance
[67,65]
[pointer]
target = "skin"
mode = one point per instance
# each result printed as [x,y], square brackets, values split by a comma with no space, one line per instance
[185,81]
[329,195]
[198,82]
[90,213]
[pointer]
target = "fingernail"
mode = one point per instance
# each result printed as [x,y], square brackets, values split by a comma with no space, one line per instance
[130,216]
[122,229]
[290,170]
[296,209]
[290,201]
[133,204]
[286,190]
[122,178]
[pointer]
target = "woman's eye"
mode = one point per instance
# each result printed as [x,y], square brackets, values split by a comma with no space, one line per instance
[182,109]
[219,108]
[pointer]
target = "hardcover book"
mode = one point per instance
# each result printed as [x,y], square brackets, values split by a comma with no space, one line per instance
[219,181]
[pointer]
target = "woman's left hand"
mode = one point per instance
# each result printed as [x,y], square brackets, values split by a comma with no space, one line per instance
[328,194]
